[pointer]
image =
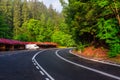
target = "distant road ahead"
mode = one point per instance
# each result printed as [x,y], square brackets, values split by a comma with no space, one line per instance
[53,64]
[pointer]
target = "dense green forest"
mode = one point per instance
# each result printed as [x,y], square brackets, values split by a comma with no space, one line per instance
[94,22]
[31,20]
[81,23]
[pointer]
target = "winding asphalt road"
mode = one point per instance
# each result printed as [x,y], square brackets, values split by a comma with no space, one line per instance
[53,64]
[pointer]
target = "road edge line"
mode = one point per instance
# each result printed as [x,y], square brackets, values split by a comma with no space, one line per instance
[117,65]
[88,68]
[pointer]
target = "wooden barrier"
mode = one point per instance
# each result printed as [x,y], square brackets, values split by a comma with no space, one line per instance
[2,47]
[10,45]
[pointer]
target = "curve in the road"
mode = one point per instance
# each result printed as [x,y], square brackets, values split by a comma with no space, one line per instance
[38,66]
[88,68]
[113,64]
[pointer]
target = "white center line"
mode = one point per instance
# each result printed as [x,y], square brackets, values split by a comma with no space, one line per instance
[47,79]
[37,67]
[40,67]
[34,63]
[41,72]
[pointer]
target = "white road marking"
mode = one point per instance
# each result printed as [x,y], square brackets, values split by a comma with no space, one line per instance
[41,72]
[51,78]
[95,60]
[88,68]
[34,64]
[37,67]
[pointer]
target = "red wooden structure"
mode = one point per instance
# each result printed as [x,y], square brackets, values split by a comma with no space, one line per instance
[7,44]
[44,44]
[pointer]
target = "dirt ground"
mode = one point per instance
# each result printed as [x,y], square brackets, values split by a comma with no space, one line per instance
[98,53]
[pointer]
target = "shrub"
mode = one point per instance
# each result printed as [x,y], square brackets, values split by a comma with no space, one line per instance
[80,46]
[62,38]
[108,31]
[114,50]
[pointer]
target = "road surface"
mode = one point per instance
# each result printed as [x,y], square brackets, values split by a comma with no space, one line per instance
[53,64]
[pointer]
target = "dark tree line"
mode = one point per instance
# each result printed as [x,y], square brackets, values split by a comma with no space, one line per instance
[81,23]
[94,22]
[31,20]
[13,13]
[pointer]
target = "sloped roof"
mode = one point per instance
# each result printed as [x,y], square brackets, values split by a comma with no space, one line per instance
[16,42]
[12,42]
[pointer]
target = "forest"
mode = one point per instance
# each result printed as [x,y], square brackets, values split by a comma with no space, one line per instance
[82,23]
[31,20]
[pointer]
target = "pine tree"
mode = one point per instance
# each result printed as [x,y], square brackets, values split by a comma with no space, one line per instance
[17,17]
[25,11]
[6,9]
[4,28]
[34,9]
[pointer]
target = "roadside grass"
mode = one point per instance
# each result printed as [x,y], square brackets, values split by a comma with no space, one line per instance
[61,47]
[115,59]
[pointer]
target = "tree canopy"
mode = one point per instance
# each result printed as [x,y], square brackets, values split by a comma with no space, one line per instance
[82,22]
[94,22]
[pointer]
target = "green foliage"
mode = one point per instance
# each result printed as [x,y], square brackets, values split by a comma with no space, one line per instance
[81,46]
[93,22]
[114,50]
[33,30]
[82,22]
[80,17]
[64,27]
[36,30]
[25,11]
[17,17]
[22,37]
[4,28]
[50,30]
[107,29]
[5,19]
[17,13]
[103,3]
[62,38]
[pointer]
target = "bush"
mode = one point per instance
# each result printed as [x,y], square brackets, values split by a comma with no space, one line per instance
[114,50]
[80,46]
[62,38]
[108,30]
